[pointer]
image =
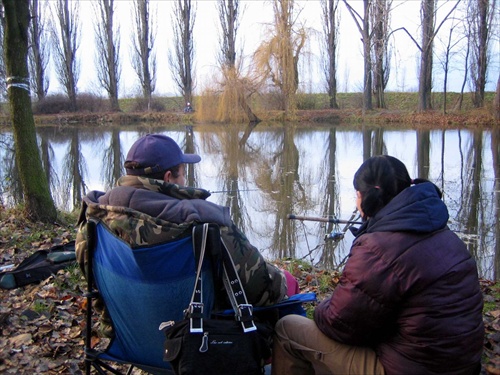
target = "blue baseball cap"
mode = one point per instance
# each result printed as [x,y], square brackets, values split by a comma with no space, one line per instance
[156,153]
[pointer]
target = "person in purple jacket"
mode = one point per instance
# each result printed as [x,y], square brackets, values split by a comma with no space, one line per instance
[408,301]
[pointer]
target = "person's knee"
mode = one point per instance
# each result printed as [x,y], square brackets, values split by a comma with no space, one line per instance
[289,325]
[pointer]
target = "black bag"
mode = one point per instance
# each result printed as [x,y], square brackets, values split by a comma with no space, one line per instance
[221,349]
[39,266]
[218,346]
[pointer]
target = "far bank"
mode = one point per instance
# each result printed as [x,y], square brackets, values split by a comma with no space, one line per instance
[312,109]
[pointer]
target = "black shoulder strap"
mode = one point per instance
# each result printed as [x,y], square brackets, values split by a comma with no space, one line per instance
[243,310]
[195,309]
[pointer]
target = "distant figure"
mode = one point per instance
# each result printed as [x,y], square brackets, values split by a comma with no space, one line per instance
[188,108]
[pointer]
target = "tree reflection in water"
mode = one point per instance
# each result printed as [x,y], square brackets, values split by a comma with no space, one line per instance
[266,173]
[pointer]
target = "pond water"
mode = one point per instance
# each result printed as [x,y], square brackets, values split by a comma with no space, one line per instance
[264,174]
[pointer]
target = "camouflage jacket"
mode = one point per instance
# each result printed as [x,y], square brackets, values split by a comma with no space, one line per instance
[145,211]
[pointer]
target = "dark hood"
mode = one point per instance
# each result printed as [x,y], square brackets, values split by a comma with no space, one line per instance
[416,209]
[161,200]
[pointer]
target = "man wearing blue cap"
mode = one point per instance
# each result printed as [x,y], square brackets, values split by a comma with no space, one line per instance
[151,205]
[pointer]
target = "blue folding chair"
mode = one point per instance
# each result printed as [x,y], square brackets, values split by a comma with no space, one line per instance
[141,288]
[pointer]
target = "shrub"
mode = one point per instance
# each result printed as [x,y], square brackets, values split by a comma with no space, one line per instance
[91,103]
[306,101]
[52,104]
[141,105]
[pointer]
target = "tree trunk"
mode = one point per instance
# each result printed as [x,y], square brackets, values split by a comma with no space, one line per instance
[252,117]
[425,77]
[144,57]
[367,90]
[38,51]
[482,52]
[458,105]
[330,27]
[108,48]
[38,201]
[187,47]
[497,101]
[65,48]
[182,53]
[380,16]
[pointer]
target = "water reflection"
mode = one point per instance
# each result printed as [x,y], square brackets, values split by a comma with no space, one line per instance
[264,174]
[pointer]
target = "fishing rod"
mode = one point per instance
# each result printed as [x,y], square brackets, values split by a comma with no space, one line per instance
[230,191]
[323,219]
[336,234]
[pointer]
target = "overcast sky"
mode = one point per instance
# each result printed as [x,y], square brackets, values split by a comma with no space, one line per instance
[404,63]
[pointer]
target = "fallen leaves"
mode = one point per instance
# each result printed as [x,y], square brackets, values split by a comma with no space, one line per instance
[43,325]
[20,340]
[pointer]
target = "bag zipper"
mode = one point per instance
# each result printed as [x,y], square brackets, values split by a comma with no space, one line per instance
[164,325]
[204,343]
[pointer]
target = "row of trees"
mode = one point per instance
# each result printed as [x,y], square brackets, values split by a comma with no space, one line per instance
[29,31]
[55,32]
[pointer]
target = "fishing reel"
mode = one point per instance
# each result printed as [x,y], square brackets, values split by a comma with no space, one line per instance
[334,235]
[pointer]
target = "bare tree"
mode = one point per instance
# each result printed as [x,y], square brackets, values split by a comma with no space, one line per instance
[236,89]
[331,23]
[480,15]
[278,57]
[363,25]
[429,32]
[66,41]
[380,51]
[108,50]
[446,61]
[143,41]
[458,105]
[229,21]
[181,56]
[39,204]
[39,51]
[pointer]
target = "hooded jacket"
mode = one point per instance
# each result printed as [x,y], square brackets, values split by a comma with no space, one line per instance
[145,211]
[409,290]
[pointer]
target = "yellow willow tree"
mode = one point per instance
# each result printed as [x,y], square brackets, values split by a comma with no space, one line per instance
[277,58]
[236,92]
[228,97]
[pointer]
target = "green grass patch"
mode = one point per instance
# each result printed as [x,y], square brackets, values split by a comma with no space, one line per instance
[492,298]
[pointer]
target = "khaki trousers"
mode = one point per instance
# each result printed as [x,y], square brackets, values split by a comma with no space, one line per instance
[301,348]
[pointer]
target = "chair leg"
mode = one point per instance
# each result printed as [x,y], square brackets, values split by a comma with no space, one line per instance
[104,368]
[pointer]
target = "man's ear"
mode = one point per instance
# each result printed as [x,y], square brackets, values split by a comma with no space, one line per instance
[167,175]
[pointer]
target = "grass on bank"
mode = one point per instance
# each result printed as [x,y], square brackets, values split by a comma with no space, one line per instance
[395,101]
[401,109]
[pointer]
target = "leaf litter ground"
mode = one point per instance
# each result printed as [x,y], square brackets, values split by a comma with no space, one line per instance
[43,324]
